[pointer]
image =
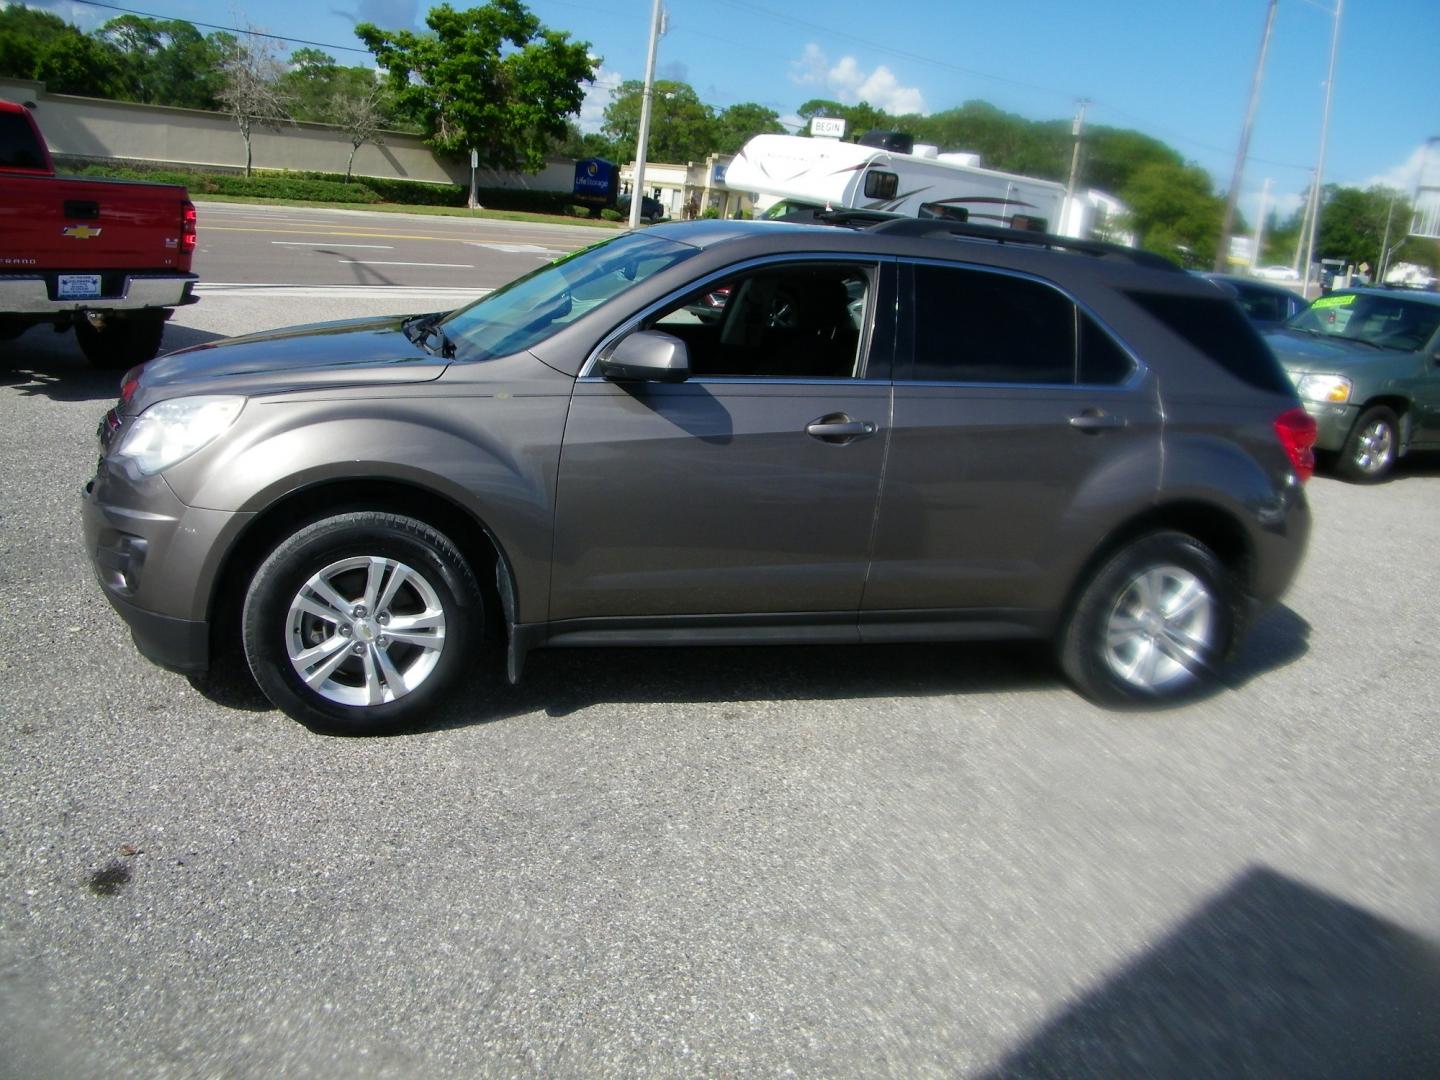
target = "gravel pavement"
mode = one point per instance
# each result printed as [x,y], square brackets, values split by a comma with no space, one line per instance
[814,862]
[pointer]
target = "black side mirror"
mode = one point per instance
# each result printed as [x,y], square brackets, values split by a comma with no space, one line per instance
[648,355]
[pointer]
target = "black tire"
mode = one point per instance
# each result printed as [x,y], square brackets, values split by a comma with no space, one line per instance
[439,578]
[120,343]
[1371,448]
[1107,660]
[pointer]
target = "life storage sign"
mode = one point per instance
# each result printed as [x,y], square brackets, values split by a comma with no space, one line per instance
[596,182]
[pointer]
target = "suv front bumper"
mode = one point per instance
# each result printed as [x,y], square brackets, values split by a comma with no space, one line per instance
[1332,423]
[156,561]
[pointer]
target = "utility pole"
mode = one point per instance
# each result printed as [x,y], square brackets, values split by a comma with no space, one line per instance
[1301,245]
[1260,224]
[1385,242]
[1222,252]
[637,195]
[1075,129]
[1320,164]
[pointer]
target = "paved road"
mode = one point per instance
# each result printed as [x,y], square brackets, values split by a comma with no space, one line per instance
[268,244]
[733,862]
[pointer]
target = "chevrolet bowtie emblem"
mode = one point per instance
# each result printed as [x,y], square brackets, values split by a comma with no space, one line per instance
[80,232]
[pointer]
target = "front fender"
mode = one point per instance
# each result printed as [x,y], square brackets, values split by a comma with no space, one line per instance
[494,457]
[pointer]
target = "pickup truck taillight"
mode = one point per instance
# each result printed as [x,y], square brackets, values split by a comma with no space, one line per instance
[187,227]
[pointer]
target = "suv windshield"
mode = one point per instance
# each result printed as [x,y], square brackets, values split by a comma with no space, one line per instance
[1387,322]
[531,308]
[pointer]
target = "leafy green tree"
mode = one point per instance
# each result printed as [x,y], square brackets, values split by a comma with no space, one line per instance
[492,78]
[168,62]
[738,124]
[1175,212]
[1352,223]
[38,45]
[682,127]
[579,144]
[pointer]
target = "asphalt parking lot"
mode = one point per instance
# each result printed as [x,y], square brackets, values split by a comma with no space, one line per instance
[896,861]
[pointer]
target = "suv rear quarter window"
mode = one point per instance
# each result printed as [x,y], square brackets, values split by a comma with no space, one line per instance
[1218,328]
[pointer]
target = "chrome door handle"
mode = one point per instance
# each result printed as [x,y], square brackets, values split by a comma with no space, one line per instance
[839,428]
[1097,420]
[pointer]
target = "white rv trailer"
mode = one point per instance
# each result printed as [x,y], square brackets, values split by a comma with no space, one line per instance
[807,173]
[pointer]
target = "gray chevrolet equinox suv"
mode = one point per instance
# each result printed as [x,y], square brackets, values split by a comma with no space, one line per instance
[896,431]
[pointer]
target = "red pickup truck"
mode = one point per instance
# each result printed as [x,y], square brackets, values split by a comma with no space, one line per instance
[109,257]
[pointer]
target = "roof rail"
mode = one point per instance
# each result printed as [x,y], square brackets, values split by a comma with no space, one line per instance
[842,217]
[897,225]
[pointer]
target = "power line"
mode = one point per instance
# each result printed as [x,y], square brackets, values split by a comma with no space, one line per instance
[229,29]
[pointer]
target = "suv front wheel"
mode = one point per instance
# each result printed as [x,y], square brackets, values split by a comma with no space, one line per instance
[358,623]
[1153,623]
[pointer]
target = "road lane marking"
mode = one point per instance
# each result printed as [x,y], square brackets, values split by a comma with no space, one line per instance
[387,262]
[339,292]
[513,249]
[306,243]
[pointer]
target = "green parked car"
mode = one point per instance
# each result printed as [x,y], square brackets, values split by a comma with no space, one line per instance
[1366,363]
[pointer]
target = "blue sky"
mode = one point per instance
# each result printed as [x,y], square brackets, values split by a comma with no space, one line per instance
[1179,70]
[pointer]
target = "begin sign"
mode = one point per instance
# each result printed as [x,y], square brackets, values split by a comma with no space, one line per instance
[827,127]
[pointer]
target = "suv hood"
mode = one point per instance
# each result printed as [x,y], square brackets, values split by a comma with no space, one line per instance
[1304,351]
[349,352]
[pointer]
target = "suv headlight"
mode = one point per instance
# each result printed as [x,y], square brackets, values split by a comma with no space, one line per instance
[170,431]
[1326,388]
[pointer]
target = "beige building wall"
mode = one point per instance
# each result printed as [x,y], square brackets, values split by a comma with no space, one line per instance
[697,184]
[107,130]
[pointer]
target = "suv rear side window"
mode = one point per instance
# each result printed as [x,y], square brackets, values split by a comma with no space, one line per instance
[978,327]
[1219,329]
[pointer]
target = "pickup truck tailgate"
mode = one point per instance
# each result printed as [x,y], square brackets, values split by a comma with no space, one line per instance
[70,224]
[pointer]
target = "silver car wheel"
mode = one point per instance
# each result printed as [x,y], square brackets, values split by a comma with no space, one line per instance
[1161,630]
[365,631]
[1375,447]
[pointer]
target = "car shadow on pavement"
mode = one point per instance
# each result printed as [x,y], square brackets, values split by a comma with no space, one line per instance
[559,682]
[41,361]
[1271,978]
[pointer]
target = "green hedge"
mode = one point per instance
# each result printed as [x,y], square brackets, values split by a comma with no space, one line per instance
[332,187]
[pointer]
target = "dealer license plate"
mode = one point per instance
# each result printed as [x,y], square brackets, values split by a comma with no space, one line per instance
[79,286]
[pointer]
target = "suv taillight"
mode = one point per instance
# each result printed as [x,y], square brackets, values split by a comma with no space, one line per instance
[187,227]
[1296,429]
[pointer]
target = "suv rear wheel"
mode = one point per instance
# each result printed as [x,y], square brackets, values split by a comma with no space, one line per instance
[358,623]
[1153,623]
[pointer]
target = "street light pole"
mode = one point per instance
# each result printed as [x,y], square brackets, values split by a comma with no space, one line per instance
[1320,163]
[1222,251]
[637,195]
[1075,129]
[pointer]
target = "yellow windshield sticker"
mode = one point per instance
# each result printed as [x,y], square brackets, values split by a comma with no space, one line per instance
[1334,301]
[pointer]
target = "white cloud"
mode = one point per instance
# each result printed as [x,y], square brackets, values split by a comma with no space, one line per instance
[597,96]
[1404,175]
[849,84]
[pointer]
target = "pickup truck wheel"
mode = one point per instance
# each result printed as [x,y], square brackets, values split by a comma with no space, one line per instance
[358,624]
[120,343]
[1153,624]
[1370,450]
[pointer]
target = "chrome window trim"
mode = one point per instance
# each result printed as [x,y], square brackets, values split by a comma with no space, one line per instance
[1137,375]
[873,263]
